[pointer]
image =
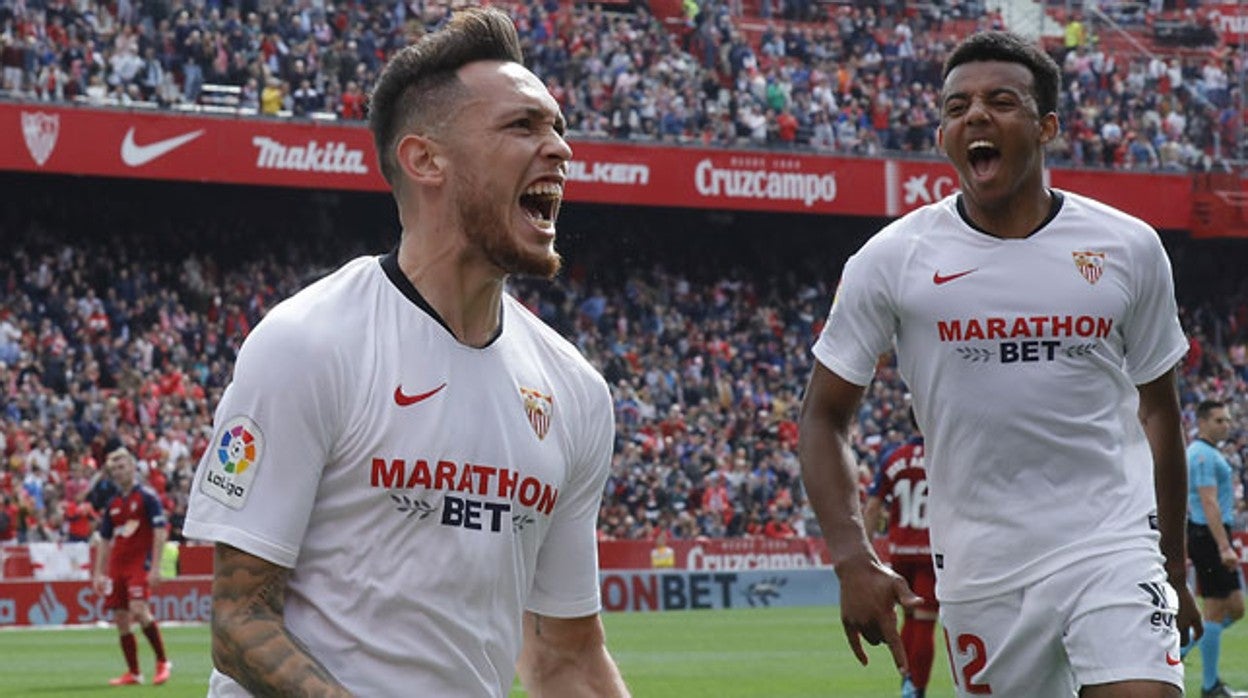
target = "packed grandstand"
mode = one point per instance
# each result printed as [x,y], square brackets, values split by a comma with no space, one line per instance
[123,302]
[848,77]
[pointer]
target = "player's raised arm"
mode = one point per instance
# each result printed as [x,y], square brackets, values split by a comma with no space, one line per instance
[869,590]
[250,643]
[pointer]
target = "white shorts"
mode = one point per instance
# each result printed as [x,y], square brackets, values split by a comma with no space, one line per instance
[1098,621]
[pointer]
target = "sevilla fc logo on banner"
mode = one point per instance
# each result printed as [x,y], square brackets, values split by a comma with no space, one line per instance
[40,132]
[538,407]
[1090,264]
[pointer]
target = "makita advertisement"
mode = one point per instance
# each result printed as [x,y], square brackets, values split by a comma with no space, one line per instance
[161,145]
[39,137]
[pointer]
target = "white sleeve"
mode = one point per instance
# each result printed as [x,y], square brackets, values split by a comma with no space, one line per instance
[565,583]
[283,404]
[1153,336]
[863,320]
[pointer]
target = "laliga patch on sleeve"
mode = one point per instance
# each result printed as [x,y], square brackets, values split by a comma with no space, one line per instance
[232,461]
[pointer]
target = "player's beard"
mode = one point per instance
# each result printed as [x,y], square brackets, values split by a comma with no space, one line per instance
[489,229]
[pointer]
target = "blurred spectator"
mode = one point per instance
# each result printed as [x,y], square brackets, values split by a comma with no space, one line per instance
[80,518]
[271,97]
[8,518]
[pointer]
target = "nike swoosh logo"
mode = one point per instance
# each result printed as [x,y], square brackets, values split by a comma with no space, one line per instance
[938,279]
[1173,661]
[403,400]
[136,155]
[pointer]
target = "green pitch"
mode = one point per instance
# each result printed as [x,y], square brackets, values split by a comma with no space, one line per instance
[748,653]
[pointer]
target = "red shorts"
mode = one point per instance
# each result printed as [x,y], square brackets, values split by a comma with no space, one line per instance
[126,587]
[921,577]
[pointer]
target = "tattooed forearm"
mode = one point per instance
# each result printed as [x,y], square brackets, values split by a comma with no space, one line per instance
[250,642]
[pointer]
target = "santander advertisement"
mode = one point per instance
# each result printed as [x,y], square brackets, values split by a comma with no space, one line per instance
[37,137]
[76,603]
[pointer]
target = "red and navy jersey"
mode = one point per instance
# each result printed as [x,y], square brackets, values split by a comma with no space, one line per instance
[901,482]
[130,522]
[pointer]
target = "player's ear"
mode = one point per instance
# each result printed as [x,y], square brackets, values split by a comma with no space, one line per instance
[1049,127]
[940,137]
[419,159]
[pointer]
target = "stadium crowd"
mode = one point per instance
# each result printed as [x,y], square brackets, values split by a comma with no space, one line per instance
[100,339]
[116,335]
[857,78]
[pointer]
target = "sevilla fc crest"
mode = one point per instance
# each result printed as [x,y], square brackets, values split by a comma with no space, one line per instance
[538,407]
[1090,264]
[40,132]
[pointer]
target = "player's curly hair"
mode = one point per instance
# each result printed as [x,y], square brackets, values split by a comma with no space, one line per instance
[1012,48]
[418,88]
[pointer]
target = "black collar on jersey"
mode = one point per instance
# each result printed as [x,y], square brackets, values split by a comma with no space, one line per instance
[1056,199]
[1211,444]
[390,265]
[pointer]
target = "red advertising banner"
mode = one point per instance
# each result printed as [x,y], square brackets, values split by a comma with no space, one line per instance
[162,145]
[187,599]
[1162,200]
[914,183]
[38,137]
[1229,21]
[725,179]
[714,554]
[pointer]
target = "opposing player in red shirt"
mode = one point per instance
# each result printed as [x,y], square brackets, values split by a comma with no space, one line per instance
[133,533]
[901,482]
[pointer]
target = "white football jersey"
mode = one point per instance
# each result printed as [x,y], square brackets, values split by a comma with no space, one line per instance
[1023,356]
[423,491]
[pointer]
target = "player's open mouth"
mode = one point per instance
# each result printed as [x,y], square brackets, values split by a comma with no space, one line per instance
[983,157]
[540,203]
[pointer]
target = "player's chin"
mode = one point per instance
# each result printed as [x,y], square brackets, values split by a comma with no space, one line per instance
[541,261]
[546,266]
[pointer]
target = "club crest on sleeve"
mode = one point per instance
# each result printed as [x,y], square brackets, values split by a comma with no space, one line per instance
[231,462]
[1090,264]
[539,407]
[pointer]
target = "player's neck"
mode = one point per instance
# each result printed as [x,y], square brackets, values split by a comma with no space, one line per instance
[1014,217]
[466,294]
